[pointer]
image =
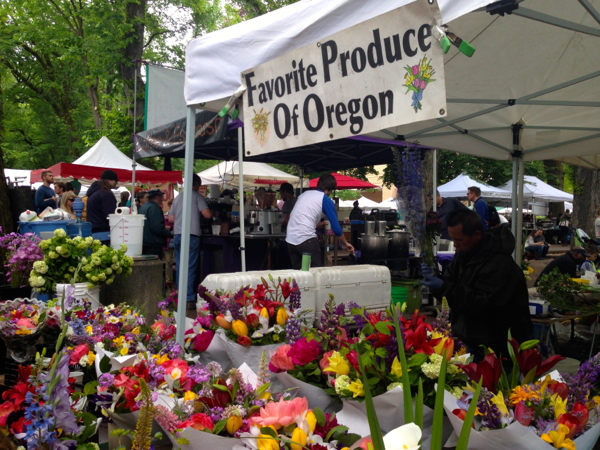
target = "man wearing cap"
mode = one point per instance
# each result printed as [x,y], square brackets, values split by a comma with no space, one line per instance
[286,192]
[566,264]
[444,207]
[101,201]
[155,231]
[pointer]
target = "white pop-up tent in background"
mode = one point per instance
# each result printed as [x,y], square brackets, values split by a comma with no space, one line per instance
[226,173]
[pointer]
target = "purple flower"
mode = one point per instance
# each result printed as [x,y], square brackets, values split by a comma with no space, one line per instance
[295,301]
[106,380]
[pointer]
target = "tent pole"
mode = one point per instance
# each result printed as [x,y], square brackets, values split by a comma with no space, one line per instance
[515,174]
[242,212]
[519,236]
[434,165]
[184,255]
[516,224]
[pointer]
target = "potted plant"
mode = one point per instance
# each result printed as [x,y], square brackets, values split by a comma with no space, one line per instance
[22,252]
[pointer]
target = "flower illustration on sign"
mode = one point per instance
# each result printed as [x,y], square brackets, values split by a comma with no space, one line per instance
[260,125]
[417,78]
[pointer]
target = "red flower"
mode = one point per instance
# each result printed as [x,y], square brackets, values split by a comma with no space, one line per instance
[78,352]
[490,369]
[523,414]
[462,415]
[260,292]
[580,411]
[17,394]
[556,387]
[18,427]
[244,340]
[375,317]
[286,288]
[304,351]
[200,422]
[218,398]
[271,306]
[418,341]
[571,422]
[252,320]
[531,359]
[6,409]
[352,358]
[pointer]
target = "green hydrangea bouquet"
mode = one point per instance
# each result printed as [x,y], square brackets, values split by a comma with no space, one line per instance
[77,260]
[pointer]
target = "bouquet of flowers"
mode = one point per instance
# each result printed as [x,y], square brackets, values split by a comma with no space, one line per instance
[21,252]
[77,260]
[564,293]
[21,323]
[217,408]
[290,424]
[522,405]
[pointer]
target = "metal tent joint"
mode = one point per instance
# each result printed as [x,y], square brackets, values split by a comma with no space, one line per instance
[516,154]
[502,7]
[512,102]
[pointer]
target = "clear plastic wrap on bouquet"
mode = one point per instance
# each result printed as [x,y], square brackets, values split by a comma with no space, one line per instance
[514,437]
[238,354]
[390,413]
[201,440]
[316,396]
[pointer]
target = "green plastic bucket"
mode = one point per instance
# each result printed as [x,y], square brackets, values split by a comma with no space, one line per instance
[406,291]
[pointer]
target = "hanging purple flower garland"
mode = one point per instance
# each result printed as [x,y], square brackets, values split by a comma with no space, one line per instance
[409,182]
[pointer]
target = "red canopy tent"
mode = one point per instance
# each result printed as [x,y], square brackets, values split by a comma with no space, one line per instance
[68,172]
[346,182]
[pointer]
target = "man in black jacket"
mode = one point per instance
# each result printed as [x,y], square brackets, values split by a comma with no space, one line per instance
[101,201]
[485,288]
[155,231]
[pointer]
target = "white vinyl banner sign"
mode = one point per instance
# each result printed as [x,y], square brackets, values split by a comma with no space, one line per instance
[381,73]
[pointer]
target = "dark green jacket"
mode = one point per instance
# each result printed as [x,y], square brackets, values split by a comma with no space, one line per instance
[155,233]
[487,293]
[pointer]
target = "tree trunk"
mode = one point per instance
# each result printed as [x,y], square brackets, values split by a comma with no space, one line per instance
[130,65]
[556,177]
[92,88]
[586,199]
[5,212]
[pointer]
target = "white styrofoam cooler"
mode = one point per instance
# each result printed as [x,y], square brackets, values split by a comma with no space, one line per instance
[234,281]
[367,285]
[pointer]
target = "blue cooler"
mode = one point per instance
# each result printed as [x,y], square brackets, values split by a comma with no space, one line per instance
[42,229]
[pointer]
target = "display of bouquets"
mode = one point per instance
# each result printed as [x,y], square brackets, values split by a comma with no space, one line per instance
[564,293]
[21,324]
[525,409]
[21,252]
[63,255]
[291,425]
[299,364]
[217,408]
[259,319]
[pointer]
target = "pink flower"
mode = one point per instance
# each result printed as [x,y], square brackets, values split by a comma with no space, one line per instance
[304,351]
[423,84]
[281,359]
[177,369]
[203,340]
[324,363]
[417,83]
[415,70]
[199,422]
[282,413]
[523,414]
[78,352]
[26,323]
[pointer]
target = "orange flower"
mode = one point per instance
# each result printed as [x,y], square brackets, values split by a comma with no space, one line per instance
[523,393]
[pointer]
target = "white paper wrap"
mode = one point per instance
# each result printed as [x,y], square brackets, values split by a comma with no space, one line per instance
[217,352]
[317,397]
[200,440]
[390,413]
[238,354]
[513,437]
[116,362]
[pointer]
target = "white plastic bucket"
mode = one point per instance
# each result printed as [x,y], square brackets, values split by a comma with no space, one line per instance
[129,230]
[81,291]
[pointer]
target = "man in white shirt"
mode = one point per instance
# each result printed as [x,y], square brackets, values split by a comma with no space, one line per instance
[308,210]
[199,207]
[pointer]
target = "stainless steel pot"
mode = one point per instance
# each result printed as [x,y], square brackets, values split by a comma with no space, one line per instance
[399,243]
[369,227]
[373,247]
[380,227]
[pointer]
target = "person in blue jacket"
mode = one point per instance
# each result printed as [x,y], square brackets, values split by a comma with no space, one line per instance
[45,195]
[479,205]
[308,210]
[101,201]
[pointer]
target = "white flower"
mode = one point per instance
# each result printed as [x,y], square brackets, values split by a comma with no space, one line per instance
[59,232]
[406,437]
[40,266]
[83,362]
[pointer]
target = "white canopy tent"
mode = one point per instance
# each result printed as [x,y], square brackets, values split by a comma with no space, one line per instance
[226,173]
[528,93]
[105,154]
[19,177]
[458,188]
[536,189]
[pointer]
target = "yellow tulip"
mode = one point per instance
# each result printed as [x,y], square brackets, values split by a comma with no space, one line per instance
[160,360]
[189,395]
[234,423]
[312,420]
[446,344]
[91,357]
[560,405]
[136,330]
[396,368]
[559,438]
[299,437]
[124,351]
[282,316]
[498,400]
[265,313]
[357,388]
[338,365]
[266,442]
[239,327]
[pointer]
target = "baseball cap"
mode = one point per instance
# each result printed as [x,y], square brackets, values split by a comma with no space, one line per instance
[154,193]
[109,175]
[581,251]
[286,187]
